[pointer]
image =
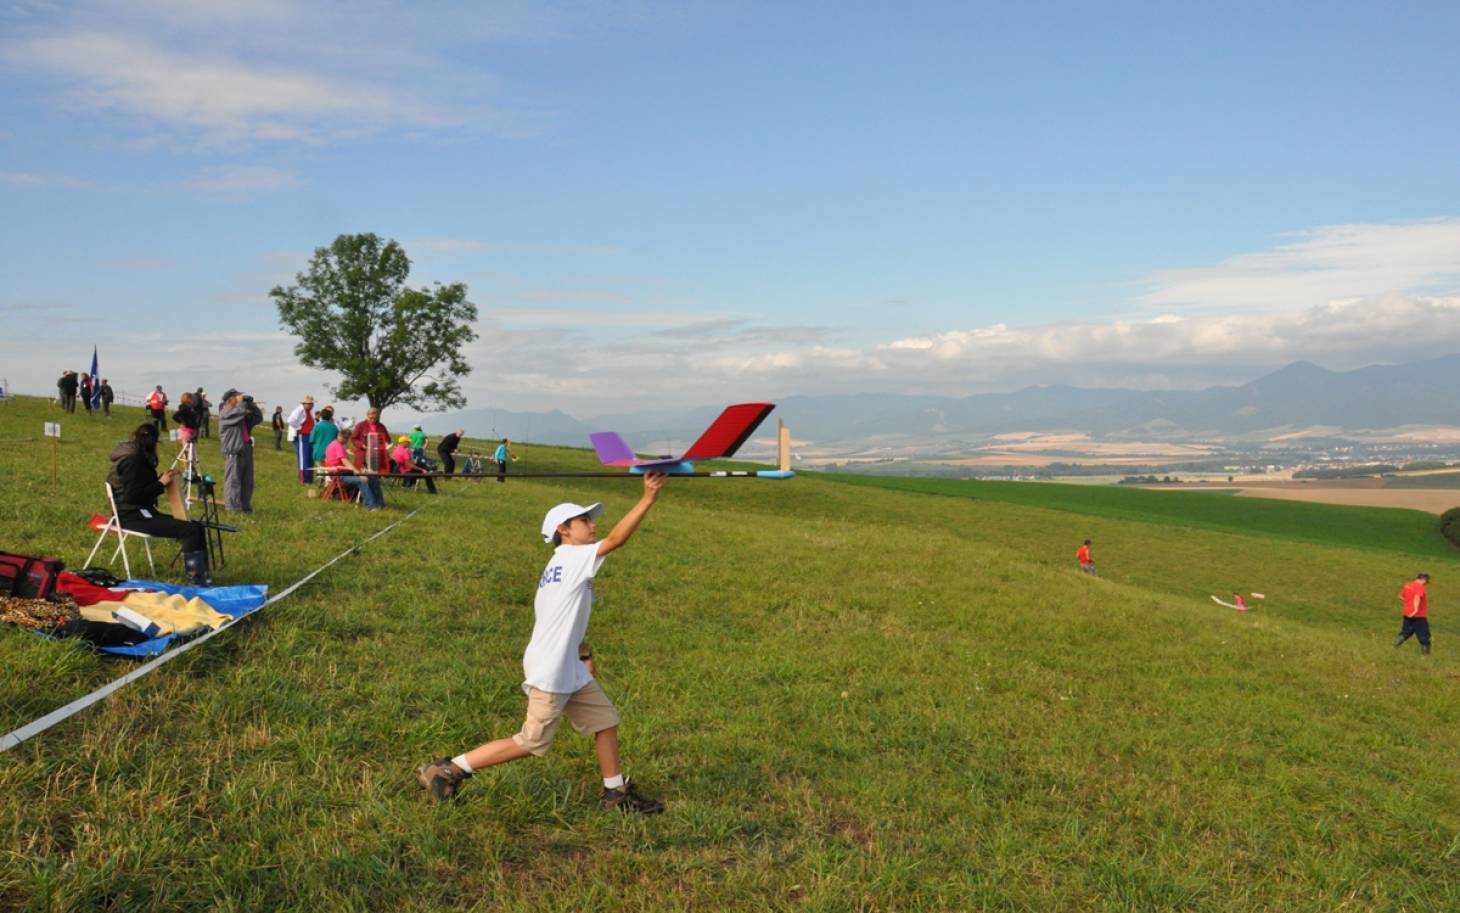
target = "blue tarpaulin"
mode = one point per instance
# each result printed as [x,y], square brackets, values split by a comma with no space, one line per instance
[236,601]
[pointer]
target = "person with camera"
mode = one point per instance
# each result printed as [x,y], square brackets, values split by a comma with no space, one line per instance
[135,486]
[236,420]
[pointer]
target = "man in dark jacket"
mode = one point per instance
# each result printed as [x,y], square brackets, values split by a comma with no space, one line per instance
[204,407]
[135,486]
[106,397]
[236,420]
[68,384]
[446,448]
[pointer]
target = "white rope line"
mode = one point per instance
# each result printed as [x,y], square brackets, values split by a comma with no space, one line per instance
[38,726]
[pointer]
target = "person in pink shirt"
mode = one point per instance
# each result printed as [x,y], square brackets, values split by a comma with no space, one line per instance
[400,459]
[348,475]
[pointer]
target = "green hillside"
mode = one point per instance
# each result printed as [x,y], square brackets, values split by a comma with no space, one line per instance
[1387,529]
[852,697]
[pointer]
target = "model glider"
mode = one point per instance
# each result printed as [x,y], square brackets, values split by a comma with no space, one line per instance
[719,441]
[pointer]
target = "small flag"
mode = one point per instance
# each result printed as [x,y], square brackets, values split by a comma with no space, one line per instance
[95,382]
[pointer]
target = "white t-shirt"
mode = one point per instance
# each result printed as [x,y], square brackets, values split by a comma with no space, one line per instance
[564,602]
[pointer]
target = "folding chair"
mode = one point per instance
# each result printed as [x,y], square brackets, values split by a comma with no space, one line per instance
[113,527]
[331,489]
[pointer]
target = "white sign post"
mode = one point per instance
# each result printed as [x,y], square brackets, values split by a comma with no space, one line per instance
[53,431]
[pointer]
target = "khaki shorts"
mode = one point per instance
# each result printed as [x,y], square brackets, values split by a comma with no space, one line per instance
[588,709]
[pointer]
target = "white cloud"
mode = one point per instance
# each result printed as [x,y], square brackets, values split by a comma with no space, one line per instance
[282,70]
[1329,263]
[226,99]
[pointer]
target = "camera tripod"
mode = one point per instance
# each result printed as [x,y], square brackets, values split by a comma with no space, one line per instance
[213,530]
[187,455]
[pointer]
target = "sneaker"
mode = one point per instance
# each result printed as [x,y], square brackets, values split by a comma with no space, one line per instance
[627,799]
[442,779]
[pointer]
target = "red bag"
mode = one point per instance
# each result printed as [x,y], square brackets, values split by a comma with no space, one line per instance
[28,577]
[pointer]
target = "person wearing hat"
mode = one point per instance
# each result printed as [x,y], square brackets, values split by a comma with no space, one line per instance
[237,417]
[558,678]
[418,445]
[301,424]
[402,464]
[1416,613]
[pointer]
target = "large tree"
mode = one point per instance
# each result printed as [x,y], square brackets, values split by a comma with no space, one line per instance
[392,345]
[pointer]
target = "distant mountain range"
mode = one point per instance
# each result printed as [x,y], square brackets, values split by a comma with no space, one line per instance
[1298,396]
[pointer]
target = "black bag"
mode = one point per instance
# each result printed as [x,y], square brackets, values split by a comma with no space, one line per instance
[99,576]
[27,576]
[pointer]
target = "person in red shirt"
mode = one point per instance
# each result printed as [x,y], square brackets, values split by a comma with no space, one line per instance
[1087,564]
[369,442]
[1416,613]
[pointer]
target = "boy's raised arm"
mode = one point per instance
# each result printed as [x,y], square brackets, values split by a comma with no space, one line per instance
[623,529]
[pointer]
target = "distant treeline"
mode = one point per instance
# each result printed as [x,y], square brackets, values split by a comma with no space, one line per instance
[1346,472]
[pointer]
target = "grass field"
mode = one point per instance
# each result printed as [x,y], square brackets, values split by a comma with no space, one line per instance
[1406,531]
[851,696]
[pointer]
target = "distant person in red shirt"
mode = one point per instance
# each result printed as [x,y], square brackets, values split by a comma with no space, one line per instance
[1416,611]
[1087,564]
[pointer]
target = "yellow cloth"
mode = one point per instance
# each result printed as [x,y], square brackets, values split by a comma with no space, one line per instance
[173,614]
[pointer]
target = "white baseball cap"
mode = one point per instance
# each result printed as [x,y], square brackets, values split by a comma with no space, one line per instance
[563,513]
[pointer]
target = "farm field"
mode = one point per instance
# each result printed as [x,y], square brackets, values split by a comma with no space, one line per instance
[853,693]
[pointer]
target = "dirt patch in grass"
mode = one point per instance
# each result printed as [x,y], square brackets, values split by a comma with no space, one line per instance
[1434,501]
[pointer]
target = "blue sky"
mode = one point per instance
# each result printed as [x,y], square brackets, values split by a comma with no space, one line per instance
[695,202]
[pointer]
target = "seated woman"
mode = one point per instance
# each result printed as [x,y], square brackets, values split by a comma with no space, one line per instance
[136,485]
[403,462]
[339,466]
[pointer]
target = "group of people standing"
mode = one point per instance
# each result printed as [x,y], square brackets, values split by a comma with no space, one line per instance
[193,416]
[94,394]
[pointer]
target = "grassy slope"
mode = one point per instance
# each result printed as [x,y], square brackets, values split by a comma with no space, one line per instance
[852,698]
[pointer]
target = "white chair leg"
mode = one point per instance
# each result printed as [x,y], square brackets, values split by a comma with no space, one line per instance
[151,568]
[122,547]
[99,540]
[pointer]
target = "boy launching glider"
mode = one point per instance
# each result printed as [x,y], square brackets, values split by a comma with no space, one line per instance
[558,677]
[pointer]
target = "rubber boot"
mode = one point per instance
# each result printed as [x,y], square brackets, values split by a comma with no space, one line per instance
[1424,649]
[196,565]
[1399,641]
